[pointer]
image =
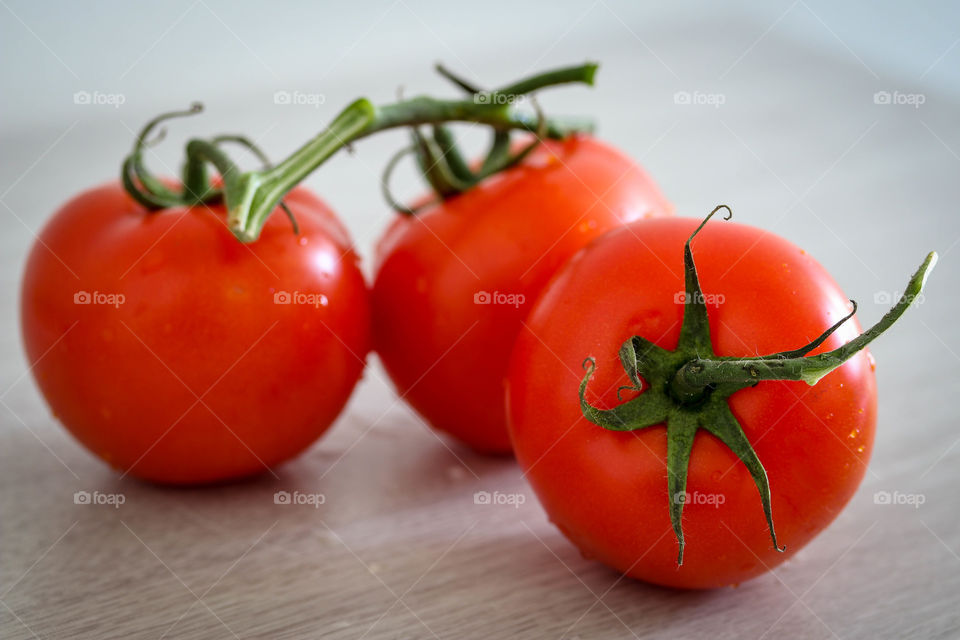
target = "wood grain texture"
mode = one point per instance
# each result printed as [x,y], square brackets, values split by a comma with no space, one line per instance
[399,549]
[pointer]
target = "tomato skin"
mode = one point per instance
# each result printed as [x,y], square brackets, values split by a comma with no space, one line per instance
[198,320]
[446,355]
[607,491]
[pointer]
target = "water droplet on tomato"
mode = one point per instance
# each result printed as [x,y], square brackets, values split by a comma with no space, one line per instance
[872,361]
[861,448]
[854,433]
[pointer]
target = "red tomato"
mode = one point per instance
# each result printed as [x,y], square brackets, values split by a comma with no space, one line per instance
[455,282]
[607,490]
[180,355]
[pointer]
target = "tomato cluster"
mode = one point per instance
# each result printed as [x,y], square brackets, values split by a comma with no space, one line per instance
[192,336]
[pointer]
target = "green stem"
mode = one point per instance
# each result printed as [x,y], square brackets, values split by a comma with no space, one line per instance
[701,373]
[200,152]
[448,147]
[567,75]
[258,193]
[251,196]
[263,190]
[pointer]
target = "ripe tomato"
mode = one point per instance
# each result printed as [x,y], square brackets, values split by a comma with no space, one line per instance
[180,355]
[607,491]
[455,281]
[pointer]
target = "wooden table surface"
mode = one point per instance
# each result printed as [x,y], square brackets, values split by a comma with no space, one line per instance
[399,549]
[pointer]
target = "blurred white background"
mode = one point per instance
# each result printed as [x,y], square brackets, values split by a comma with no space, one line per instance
[235,56]
[181,50]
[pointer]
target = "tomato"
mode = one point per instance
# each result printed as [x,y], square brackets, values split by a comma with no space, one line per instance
[607,491]
[178,354]
[455,281]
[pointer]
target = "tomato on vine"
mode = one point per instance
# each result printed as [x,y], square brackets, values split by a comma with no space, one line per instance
[683,456]
[178,354]
[456,277]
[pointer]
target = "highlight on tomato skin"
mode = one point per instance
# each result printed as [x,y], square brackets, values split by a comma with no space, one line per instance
[608,491]
[454,282]
[179,355]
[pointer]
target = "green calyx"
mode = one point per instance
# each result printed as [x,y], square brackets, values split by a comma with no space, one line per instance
[251,196]
[442,164]
[687,389]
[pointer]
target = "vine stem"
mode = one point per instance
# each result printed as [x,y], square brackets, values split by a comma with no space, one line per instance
[252,196]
